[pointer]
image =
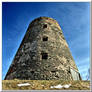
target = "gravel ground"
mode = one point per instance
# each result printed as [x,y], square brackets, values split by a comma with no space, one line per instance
[45,85]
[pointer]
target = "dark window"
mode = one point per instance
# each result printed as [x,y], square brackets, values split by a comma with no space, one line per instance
[53,71]
[45,26]
[69,71]
[45,38]
[44,56]
[32,72]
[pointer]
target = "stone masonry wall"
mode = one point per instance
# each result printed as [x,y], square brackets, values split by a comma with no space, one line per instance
[43,53]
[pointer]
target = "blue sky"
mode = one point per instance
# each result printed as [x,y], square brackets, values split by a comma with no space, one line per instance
[74,19]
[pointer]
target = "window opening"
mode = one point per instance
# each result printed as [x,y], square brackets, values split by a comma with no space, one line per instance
[44,55]
[53,71]
[32,72]
[45,38]
[45,26]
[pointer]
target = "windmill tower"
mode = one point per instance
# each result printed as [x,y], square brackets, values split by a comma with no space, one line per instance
[43,54]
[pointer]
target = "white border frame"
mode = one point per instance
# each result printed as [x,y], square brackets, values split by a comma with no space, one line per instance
[1,46]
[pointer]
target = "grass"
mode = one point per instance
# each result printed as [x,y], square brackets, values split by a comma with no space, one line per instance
[44,85]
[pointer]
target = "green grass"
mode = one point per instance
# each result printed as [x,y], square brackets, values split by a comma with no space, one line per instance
[44,85]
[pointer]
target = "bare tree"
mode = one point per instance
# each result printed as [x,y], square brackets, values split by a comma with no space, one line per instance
[88,74]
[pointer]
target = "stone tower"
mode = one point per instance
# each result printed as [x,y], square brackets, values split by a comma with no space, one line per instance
[43,54]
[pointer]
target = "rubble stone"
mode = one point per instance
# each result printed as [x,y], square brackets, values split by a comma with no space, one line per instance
[43,54]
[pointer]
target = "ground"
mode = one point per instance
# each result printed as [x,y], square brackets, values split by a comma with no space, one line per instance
[44,85]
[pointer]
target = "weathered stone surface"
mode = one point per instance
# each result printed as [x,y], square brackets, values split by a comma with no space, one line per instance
[43,54]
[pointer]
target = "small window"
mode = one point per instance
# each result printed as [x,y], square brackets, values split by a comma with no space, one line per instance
[69,71]
[53,71]
[32,72]
[45,38]
[44,55]
[45,26]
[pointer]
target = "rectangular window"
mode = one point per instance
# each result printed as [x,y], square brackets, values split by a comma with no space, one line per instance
[32,72]
[45,26]
[44,56]
[45,38]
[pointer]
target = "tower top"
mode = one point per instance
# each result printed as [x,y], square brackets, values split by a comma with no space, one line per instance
[45,19]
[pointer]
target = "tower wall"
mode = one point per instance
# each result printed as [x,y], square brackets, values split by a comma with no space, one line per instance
[43,54]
